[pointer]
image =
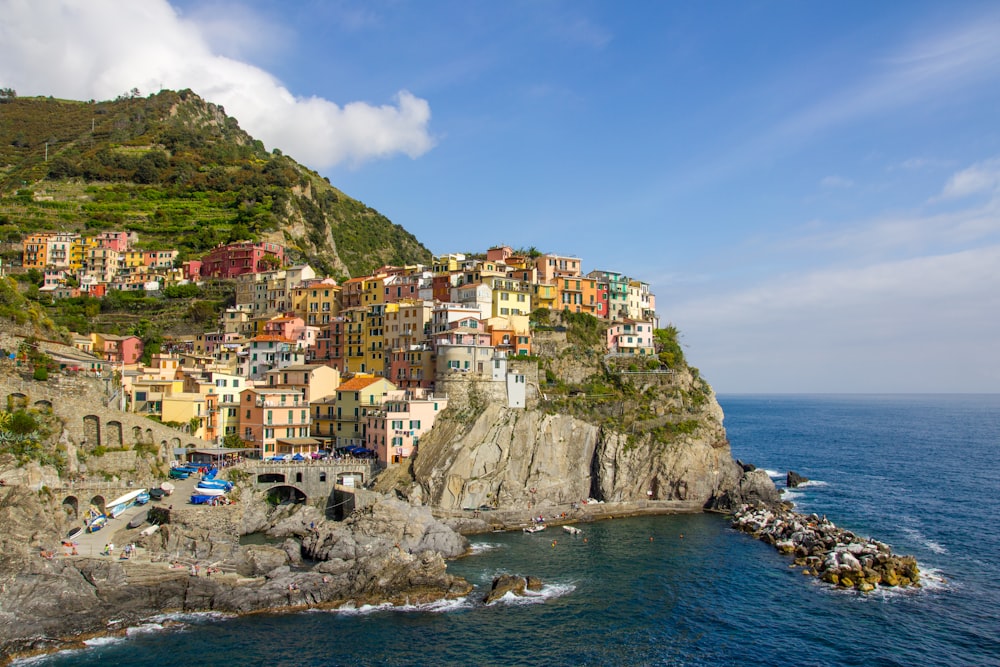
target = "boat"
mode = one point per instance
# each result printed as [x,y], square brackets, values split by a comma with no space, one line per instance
[167,488]
[142,498]
[572,530]
[75,533]
[138,520]
[534,529]
[215,484]
[122,503]
[177,473]
[201,499]
[97,523]
[210,492]
[157,494]
[149,530]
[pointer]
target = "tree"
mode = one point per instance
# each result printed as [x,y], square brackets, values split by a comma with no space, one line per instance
[7,95]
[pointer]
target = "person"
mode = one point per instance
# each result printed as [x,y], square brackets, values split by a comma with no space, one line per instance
[107,549]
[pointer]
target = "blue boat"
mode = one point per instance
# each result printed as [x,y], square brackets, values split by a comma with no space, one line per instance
[142,498]
[177,473]
[197,499]
[97,523]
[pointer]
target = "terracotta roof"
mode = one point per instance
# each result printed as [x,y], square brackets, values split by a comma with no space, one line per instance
[358,383]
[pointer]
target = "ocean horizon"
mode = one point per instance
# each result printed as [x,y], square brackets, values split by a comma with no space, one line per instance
[918,471]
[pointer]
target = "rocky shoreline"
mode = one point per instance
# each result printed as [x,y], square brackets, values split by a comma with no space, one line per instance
[835,555]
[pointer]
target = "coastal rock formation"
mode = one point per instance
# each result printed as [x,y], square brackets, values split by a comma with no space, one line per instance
[662,448]
[793,479]
[513,584]
[835,555]
[385,553]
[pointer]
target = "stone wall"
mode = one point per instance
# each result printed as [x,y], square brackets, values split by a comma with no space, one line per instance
[79,402]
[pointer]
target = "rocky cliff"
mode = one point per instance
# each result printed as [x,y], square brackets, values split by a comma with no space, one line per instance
[649,436]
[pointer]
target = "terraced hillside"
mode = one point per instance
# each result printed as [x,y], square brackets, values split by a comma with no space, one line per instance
[181,173]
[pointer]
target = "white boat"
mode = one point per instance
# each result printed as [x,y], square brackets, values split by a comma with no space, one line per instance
[210,492]
[119,505]
[534,529]
[572,530]
[167,488]
[146,532]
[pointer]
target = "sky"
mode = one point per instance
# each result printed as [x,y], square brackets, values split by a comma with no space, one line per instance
[811,189]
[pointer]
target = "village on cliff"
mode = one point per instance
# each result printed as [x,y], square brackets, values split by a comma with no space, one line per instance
[302,365]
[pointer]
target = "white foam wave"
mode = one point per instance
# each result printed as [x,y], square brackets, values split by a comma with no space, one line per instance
[97,642]
[773,473]
[812,482]
[548,592]
[930,544]
[483,547]
[364,610]
[144,629]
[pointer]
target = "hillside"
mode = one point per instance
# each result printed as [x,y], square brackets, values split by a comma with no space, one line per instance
[182,174]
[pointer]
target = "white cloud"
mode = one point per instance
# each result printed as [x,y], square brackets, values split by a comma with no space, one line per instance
[924,324]
[100,49]
[980,178]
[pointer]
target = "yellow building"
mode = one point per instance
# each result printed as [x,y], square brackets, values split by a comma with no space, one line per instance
[510,297]
[355,399]
[317,302]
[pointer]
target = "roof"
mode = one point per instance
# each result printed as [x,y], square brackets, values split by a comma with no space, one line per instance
[358,383]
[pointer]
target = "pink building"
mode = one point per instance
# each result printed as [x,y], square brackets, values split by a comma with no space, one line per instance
[394,432]
[117,241]
[117,349]
[276,422]
[235,259]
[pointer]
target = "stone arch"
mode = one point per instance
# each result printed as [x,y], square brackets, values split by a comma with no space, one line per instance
[92,429]
[149,437]
[175,442]
[270,478]
[17,400]
[97,502]
[298,477]
[44,405]
[71,505]
[136,434]
[287,493]
[114,435]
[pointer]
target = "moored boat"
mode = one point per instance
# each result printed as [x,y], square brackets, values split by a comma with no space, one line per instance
[157,494]
[75,533]
[149,530]
[572,530]
[209,492]
[201,499]
[534,529]
[122,503]
[138,520]
[167,488]
[97,523]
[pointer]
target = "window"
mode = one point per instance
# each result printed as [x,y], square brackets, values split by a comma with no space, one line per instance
[248,412]
[414,424]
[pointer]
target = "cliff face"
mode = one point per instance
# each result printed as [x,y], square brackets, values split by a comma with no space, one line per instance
[658,439]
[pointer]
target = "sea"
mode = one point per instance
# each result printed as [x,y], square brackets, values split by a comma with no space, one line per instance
[919,472]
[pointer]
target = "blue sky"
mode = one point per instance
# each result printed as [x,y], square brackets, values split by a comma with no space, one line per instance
[813,190]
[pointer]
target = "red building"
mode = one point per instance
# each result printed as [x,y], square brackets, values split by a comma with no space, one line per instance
[235,259]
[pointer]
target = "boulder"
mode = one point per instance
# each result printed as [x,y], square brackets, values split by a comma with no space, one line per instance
[511,583]
[793,479]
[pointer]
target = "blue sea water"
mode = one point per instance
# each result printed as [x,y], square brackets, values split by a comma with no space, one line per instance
[919,472]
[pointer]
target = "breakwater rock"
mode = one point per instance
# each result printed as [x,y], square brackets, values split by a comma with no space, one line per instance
[835,555]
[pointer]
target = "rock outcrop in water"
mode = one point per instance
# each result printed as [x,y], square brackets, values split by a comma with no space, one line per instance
[835,555]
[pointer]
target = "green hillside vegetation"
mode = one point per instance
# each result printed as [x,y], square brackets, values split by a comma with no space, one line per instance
[182,174]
